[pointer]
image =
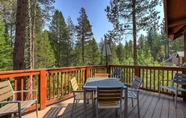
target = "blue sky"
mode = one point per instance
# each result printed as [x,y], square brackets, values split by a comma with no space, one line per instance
[95,12]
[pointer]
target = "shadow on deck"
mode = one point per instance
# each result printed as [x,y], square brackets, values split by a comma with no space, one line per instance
[150,107]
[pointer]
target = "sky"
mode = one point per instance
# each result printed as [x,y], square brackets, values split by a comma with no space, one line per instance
[94,10]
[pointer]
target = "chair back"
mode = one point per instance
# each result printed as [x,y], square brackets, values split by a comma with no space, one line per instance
[117,72]
[136,82]
[179,79]
[109,94]
[6,90]
[74,84]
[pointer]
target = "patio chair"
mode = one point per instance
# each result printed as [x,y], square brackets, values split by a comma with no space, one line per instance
[133,91]
[79,94]
[117,72]
[101,75]
[109,98]
[14,106]
[178,79]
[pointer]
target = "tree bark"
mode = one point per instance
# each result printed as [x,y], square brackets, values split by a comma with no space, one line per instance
[18,54]
[134,31]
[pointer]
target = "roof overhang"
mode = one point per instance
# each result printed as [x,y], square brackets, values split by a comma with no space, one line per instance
[175,18]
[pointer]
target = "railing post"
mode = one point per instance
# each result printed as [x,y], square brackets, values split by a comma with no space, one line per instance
[87,72]
[137,71]
[42,89]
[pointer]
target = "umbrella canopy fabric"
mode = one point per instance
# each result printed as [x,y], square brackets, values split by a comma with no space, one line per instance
[106,49]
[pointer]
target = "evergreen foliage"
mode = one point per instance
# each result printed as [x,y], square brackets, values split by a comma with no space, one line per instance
[84,34]
[94,54]
[44,54]
[113,59]
[120,53]
[142,13]
[5,50]
[59,39]
[67,44]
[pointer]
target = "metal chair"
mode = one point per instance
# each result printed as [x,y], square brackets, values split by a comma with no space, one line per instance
[117,72]
[14,106]
[178,79]
[78,94]
[109,98]
[133,91]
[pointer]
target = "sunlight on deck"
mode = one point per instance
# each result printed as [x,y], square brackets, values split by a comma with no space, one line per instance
[150,107]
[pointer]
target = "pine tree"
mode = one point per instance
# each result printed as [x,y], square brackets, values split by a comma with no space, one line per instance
[76,56]
[141,43]
[156,45]
[5,50]
[8,13]
[120,53]
[71,34]
[84,34]
[59,39]
[142,13]
[113,59]
[165,39]
[44,55]
[94,54]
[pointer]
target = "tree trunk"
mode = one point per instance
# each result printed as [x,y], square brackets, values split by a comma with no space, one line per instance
[134,30]
[18,54]
[33,31]
[30,36]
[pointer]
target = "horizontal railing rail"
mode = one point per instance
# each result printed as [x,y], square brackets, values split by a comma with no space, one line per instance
[53,85]
[151,76]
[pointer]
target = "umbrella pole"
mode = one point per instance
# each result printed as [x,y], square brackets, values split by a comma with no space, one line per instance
[106,61]
[106,52]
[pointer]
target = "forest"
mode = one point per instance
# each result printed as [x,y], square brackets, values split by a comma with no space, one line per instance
[65,44]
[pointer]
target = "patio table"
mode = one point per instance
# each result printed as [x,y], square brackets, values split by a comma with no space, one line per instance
[93,83]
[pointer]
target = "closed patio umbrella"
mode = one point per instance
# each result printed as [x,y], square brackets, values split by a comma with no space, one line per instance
[106,50]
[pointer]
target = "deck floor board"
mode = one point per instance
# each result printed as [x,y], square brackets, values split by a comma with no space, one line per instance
[150,107]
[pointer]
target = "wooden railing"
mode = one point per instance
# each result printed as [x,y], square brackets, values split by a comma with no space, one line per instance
[53,84]
[151,75]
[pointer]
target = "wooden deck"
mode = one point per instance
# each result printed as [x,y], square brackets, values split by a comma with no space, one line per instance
[150,107]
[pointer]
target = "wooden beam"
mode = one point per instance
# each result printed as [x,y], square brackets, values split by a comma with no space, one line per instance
[178,22]
[171,37]
[178,35]
[165,16]
[176,29]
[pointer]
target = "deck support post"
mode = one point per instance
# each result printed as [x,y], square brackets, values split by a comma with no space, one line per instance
[42,89]
[184,60]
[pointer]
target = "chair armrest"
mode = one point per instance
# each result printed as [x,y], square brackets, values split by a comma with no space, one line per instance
[135,90]
[160,82]
[77,91]
[5,102]
[129,84]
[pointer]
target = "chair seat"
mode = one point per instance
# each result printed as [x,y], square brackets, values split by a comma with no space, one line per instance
[131,94]
[12,107]
[108,104]
[171,88]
